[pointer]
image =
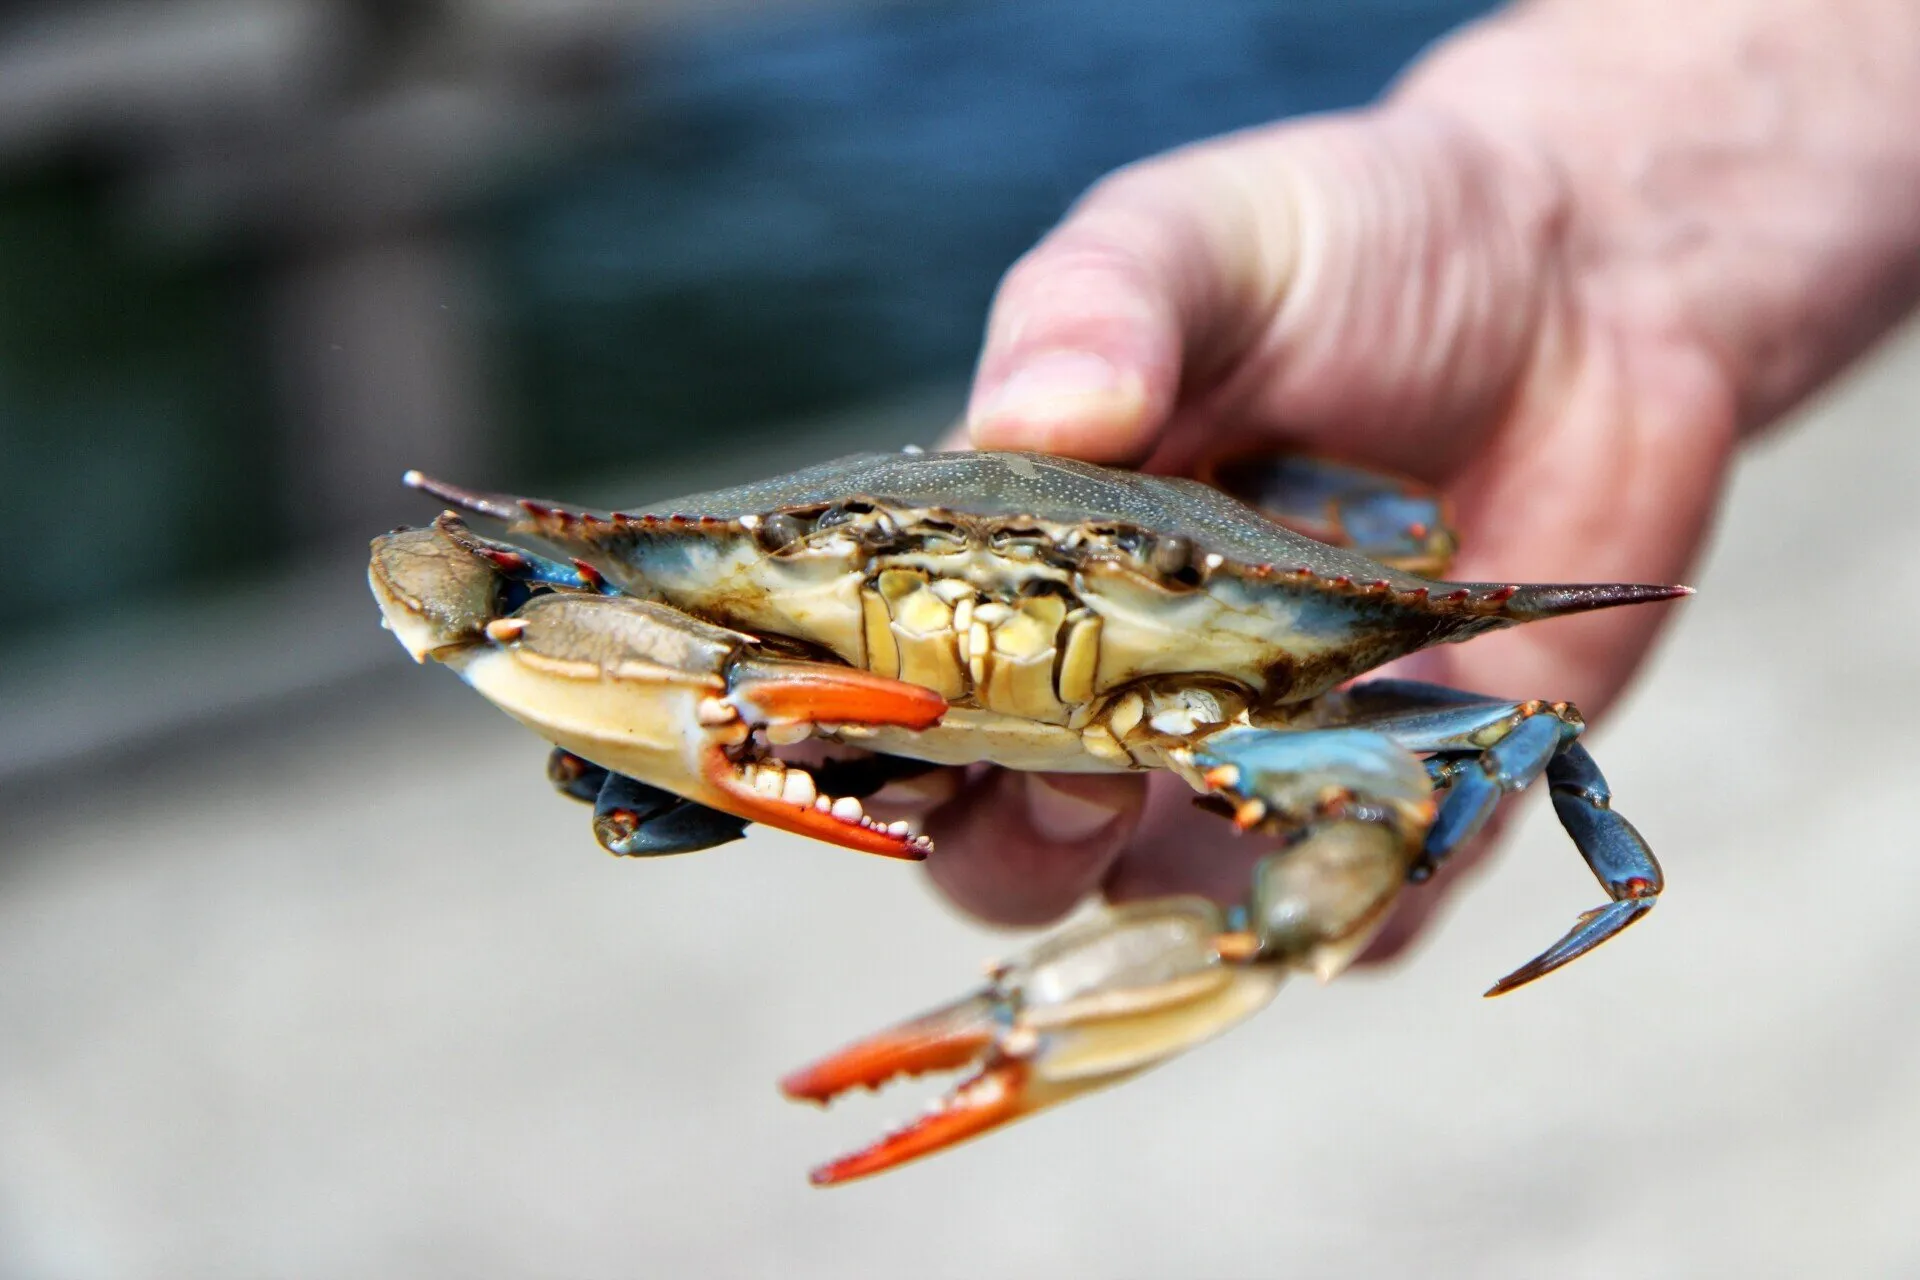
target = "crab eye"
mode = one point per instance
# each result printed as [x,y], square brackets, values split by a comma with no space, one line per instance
[778,530]
[841,513]
[1169,557]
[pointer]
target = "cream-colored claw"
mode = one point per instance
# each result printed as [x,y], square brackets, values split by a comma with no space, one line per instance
[642,689]
[1095,1004]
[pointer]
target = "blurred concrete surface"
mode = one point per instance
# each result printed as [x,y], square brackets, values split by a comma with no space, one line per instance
[354,995]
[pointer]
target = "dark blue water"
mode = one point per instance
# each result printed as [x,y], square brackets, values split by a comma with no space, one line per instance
[800,213]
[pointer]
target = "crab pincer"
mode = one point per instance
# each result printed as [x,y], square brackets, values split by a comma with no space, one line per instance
[639,688]
[1091,1006]
[1135,986]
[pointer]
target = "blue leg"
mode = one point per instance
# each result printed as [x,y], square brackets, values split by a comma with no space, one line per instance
[635,820]
[1482,781]
[1391,519]
[518,564]
[573,777]
[1282,780]
[1485,749]
[1619,858]
[1351,807]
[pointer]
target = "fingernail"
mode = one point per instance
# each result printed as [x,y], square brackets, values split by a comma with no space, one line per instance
[1063,386]
[1061,817]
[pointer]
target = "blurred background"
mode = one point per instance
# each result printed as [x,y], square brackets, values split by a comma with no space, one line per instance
[304,971]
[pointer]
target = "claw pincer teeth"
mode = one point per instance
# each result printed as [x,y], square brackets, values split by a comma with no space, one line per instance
[773,782]
[1096,1004]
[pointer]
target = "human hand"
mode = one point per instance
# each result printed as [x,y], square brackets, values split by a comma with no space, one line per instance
[1441,286]
[1389,288]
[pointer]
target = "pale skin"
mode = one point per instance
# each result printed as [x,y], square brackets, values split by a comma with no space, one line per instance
[1579,253]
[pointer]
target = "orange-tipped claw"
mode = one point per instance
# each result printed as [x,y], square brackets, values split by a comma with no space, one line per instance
[949,1039]
[788,690]
[945,1040]
[1091,1006]
[842,821]
[987,1101]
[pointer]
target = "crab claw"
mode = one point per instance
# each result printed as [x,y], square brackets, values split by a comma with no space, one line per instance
[642,689]
[1091,1006]
[788,694]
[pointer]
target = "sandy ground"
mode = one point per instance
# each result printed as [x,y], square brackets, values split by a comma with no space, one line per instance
[357,997]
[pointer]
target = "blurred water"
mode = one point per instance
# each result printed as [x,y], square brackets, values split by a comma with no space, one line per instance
[779,216]
[796,214]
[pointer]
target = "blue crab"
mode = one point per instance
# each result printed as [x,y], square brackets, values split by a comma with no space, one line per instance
[1035,613]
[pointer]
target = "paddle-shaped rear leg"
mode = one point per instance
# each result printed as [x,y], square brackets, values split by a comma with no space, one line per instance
[1486,749]
[1618,856]
[636,820]
[1392,519]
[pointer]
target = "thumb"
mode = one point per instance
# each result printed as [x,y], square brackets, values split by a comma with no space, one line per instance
[1366,283]
[1093,331]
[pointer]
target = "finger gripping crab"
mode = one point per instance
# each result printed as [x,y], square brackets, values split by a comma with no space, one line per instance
[1040,614]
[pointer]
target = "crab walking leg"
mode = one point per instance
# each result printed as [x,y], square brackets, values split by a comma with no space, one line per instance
[635,820]
[1489,747]
[1104,1000]
[1527,738]
[1353,805]
[1393,520]
[575,778]
[1616,853]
